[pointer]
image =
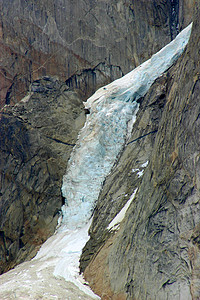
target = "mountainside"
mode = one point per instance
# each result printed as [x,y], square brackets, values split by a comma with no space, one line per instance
[155,253]
[36,138]
[85,43]
[56,54]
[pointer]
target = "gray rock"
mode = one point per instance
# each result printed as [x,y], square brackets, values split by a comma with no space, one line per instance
[125,176]
[36,139]
[86,43]
[155,254]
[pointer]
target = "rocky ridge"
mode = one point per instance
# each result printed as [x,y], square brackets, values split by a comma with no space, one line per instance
[35,42]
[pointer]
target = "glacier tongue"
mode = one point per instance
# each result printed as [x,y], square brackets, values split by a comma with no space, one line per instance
[112,108]
[136,83]
[98,145]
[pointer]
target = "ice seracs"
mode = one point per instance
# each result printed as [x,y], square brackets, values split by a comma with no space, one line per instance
[136,83]
[113,111]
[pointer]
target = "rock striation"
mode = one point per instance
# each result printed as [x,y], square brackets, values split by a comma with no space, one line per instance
[85,43]
[36,138]
[126,174]
[155,253]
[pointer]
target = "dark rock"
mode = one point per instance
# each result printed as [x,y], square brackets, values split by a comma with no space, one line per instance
[87,44]
[46,85]
[36,139]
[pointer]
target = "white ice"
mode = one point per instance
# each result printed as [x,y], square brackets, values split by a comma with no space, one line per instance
[63,251]
[113,111]
[144,165]
[140,173]
[136,83]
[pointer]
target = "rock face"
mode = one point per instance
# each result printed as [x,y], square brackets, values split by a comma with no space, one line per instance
[36,139]
[155,254]
[126,174]
[86,43]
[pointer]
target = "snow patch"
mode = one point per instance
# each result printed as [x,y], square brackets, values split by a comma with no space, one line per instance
[115,224]
[144,165]
[62,251]
[140,173]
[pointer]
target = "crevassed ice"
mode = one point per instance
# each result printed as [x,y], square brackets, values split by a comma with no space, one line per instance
[98,145]
[136,83]
[111,110]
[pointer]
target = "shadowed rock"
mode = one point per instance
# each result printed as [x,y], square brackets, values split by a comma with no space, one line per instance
[36,139]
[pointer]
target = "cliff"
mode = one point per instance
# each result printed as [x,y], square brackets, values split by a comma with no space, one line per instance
[155,253]
[36,139]
[85,43]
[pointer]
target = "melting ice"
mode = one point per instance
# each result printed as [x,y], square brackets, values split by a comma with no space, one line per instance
[113,111]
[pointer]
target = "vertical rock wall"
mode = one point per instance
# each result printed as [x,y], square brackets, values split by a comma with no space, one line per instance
[86,43]
[155,254]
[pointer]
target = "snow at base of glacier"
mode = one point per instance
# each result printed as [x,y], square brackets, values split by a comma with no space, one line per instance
[113,110]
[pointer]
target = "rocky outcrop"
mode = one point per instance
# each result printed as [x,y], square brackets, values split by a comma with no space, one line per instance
[86,43]
[155,254]
[36,139]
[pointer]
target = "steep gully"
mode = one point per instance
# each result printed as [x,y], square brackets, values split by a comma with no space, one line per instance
[113,111]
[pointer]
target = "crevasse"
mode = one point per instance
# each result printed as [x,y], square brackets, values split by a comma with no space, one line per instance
[112,108]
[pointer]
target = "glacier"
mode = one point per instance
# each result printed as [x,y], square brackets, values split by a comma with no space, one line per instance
[113,111]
